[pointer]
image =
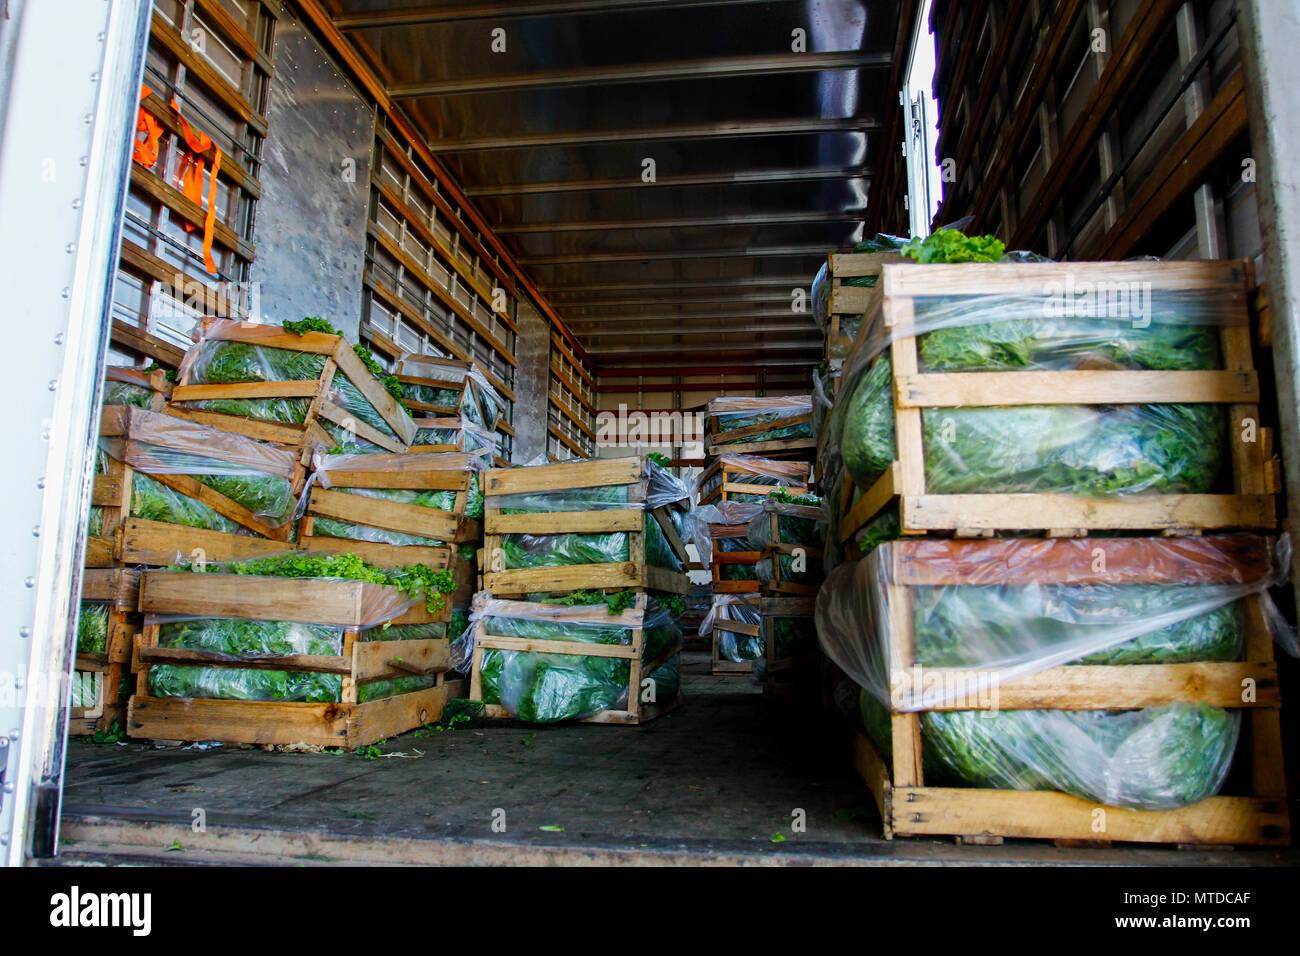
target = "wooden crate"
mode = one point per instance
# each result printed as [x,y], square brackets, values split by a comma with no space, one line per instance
[434,472]
[137,541]
[721,666]
[1255,480]
[777,585]
[574,476]
[846,300]
[730,476]
[909,807]
[719,440]
[400,555]
[773,609]
[722,559]
[345,604]
[116,589]
[339,358]
[636,711]
[155,382]
[430,371]
[468,439]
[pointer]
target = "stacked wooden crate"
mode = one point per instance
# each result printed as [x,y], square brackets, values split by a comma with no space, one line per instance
[779,426]
[221,475]
[1184,350]
[584,563]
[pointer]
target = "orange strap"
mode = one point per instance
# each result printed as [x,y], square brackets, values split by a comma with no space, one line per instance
[193,166]
[191,173]
[146,150]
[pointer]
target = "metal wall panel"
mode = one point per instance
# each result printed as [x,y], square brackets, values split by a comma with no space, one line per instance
[311,222]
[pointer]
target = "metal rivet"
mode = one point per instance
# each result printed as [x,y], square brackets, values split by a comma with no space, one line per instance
[89,119]
[9,788]
[40,483]
[30,582]
[54,384]
[76,204]
[99,37]
[36,531]
[70,248]
[19,683]
[65,293]
[94,77]
[13,735]
[84,161]
[58,339]
[24,631]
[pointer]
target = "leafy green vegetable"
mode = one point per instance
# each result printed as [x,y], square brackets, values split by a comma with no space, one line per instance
[949,245]
[92,629]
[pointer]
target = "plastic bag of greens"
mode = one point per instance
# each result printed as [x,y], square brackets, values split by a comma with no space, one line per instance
[998,615]
[259,476]
[92,629]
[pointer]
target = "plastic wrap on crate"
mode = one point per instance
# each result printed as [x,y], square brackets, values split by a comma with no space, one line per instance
[731,645]
[255,474]
[92,628]
[751,470]
[545,687]
[1002,621]
[482,405]
[700,521]
[735,413]
[1153,758]
[663,489]
[1090,450]
[821,295]
[796,524]
[226,352]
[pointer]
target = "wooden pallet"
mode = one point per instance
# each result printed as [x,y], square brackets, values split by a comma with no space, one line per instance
[847,300]
[728,476]
[637,711]
[344,604]
[909,807]
[117,589]
[738,441]
[340,358]
[1255,480]
[572,476]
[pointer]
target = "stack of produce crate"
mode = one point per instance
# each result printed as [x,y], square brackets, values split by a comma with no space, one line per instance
[580,614]
[278,474]
[772,427]
[108,618]
[746,526]
[1019,678]
[454,406]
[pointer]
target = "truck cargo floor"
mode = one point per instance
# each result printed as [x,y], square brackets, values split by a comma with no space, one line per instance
[719,780]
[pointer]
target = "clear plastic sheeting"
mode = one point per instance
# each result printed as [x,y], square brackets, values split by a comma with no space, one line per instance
[751,470]
[795,524]
[733,645]
[227,353]
[482,404]
[92,628]
[1087,450]
[732,414]
[663,489]
[254,474]
[1155,758]
[1005,609]
[701,521]
[543,687]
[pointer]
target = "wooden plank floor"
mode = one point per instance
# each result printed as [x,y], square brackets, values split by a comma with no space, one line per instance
[709,783]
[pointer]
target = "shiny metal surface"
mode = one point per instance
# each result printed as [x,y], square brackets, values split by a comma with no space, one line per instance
[315,187]
[669,171]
